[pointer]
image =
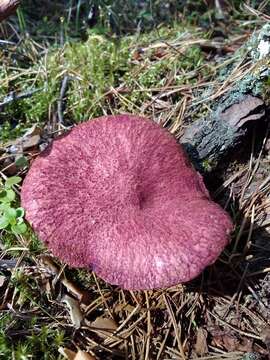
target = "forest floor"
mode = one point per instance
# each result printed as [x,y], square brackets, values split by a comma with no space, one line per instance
[64,62]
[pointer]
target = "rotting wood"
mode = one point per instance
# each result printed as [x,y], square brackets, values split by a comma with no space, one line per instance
[207,140]
[210,138]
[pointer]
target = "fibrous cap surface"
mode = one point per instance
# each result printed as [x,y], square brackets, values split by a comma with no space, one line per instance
[118,195]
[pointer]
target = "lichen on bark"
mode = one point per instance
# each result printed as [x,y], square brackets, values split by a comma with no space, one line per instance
[207,140]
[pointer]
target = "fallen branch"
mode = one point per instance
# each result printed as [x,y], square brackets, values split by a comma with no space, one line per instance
[234,105]
[207,140]
[19,96]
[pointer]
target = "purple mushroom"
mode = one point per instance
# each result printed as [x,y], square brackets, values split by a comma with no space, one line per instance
[117,194]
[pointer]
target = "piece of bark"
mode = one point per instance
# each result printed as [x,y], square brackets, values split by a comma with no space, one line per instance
[209,139]
[7,7]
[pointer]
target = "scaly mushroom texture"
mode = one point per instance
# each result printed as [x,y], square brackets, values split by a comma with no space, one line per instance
[118,195]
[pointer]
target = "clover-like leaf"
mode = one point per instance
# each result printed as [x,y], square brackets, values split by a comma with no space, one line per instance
[10,195]
[12,181]
[19,228]
[22,162]
[20,212]
[4,222]
[10,214]
[4,207]
[3,195]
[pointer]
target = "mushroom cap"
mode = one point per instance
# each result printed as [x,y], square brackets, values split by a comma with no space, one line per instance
[117,194]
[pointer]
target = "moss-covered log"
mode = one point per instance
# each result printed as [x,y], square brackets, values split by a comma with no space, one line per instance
[207,140]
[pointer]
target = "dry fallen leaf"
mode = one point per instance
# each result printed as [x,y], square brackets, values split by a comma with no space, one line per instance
[230,342]
[123,307]
[67,353]
[265,335]
[201,347]
[30,142]
[48,263]
[74,310]
[104,326]
[31,137]
[82,355]
[2,280]
[71,355]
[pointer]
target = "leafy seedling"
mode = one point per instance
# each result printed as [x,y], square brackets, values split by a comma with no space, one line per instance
[11,217]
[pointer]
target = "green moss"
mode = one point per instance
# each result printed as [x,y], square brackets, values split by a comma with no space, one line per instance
[81,276]
[25,339]
[206,165]
[94,67]
[35,246]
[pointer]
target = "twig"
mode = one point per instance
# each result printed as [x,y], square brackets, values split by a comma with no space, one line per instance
[6,43]
[14,97]
[60,103]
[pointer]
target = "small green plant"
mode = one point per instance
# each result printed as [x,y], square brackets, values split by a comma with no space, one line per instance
[11,217]
[39,341]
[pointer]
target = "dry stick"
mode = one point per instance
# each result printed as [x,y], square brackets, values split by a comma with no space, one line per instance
[229,181]
[242,226]
[134,297]
[126,101]
[236,355]
[241,332]
[241,202]
[180,116]
[13,96]
[256,317]
[250,173]
[176,330]
[126,333]
[255,12]
[149,326]
[163,342]
[93,344]
[6,43]
[120,327]
[60,103]
[102,296]
[133,351]
[95,304]
[259,272]
[251,290]
[251,228]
